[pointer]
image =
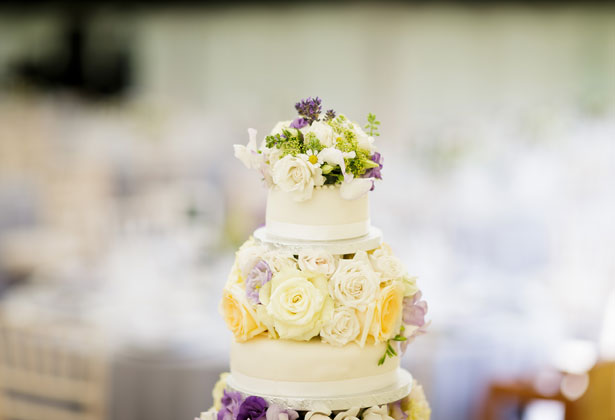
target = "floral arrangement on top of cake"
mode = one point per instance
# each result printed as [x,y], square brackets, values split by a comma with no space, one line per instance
[231,405]
[316,149]
[366,297]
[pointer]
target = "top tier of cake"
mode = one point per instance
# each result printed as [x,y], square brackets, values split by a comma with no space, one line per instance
[326,216]
[319,168]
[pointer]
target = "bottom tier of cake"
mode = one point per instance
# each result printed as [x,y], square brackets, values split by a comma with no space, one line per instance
[231,404]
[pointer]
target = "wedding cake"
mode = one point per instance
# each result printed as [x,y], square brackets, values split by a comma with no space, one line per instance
[320,308]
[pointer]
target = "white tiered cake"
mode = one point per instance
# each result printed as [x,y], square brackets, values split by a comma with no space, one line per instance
[320,308]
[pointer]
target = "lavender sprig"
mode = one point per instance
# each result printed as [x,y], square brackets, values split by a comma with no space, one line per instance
[329,115]
[309,109]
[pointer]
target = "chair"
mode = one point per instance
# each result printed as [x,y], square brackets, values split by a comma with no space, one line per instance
[596,403]
[51,373]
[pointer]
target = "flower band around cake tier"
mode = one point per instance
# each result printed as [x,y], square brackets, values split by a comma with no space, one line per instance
[365,298]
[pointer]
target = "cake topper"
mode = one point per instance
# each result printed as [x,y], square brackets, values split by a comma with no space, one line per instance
[315,150]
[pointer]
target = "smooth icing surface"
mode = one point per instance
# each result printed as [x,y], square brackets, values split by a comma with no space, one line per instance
[313,368]
[326,216]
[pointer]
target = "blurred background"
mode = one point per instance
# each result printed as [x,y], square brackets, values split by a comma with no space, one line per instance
[121,204]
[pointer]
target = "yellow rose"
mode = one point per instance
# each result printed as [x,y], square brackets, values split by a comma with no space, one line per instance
[387,312]
[218,391]
[298,303]
[238,315]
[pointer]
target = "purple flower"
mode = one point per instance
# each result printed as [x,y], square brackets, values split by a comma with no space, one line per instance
[396,411]
[257,278]
[253,408]
[299,123]
[415,310]
[374,172]
[329,115]
[309,108]
[231,401]
[275,412]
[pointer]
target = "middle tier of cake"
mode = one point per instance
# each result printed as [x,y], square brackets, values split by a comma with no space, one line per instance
[288,368]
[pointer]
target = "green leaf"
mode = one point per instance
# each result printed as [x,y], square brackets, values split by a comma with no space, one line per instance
[391,349]
[326,168]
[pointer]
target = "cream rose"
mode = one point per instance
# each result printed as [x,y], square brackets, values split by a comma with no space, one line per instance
[279,260]
[343,327]
[347,415]
[238,314]
[387,312]
[317,260]
[355,283]
[298,303]
[323,132]
[322,413]
[296,175]
[234,276]
[389,266]
[377,413]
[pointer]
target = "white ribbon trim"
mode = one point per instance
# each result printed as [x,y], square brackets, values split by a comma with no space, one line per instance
[317,232]
[343,388]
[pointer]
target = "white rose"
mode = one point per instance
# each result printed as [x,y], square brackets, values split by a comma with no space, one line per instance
[355,284]
[363,140]
[389,266]
[281,125]
[317,260]
[248,154]
[347,415]
[248,255]
[296,175]
[298,303]
[279,260]
[377,413]
[343,327]
[273,155]
[322,131]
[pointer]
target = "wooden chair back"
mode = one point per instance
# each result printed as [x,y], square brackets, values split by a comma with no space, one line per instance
[51,373]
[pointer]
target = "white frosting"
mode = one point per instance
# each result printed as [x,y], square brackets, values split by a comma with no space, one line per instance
[322,389]
[366,397]
[310,369]
[326,216]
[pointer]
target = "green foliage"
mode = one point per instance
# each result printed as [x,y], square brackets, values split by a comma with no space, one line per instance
[289,142]
[312,142]
[390,351]
[372,125]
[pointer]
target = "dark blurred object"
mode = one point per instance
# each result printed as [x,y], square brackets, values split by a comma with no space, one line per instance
[84,62]
[589,396]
